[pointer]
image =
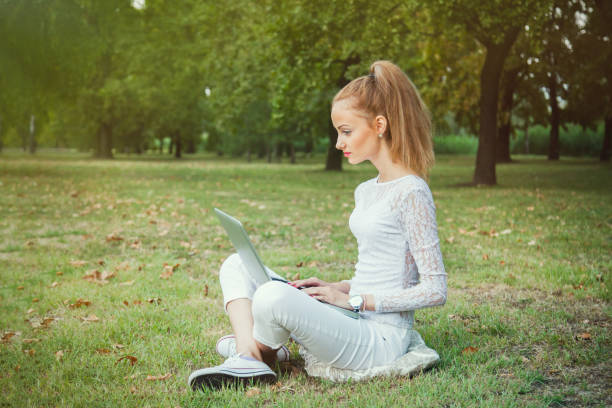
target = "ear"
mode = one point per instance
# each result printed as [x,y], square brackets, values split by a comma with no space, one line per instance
[380,124]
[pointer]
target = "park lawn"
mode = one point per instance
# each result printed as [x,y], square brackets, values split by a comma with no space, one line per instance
[527,320]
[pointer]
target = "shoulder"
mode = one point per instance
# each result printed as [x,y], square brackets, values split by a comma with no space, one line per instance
[413,189]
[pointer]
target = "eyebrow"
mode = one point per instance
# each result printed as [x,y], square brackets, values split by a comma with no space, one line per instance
[343,124]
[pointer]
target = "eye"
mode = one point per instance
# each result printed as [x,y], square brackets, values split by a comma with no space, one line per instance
[346,132]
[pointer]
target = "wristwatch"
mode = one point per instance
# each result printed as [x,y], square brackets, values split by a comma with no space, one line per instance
[356,303]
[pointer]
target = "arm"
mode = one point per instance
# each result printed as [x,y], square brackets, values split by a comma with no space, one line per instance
[417,220]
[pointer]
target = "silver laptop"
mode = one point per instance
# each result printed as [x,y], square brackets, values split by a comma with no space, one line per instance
[253,264]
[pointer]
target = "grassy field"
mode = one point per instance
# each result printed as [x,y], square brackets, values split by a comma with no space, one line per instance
[109,293]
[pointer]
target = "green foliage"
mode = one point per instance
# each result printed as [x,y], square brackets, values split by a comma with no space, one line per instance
[573,140]
[456,144]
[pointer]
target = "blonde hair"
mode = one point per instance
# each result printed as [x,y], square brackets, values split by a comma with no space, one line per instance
[387,91]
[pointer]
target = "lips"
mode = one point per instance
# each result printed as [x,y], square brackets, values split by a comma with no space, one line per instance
[347,154]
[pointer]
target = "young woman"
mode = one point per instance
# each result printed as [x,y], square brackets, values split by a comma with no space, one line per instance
[379,117]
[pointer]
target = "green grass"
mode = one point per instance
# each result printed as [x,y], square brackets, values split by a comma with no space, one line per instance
[520,297]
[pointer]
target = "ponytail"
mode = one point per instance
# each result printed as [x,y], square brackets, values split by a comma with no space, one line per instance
[387,91]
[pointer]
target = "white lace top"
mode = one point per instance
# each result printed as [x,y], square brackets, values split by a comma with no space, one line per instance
[399,259]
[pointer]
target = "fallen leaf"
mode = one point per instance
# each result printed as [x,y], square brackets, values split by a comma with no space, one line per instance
[300,264]
[450,240]
[79,302]
[30,310]
[506,231]
[54,284]
[125,302]
[30,352]
[90,318]
[531,243]
[530,208]
[469,350]
[7,336]
[167,273]
[78,264]
[59,273]
[127,283]
[205,292]
[47,321]
[584,336]
[485,257]
[35,300]
[103,351]
[153,300]
[296,277]
[251,392]
[113,238]
[131,359]
[137,302]
[118,346]
[20,288]
[28,341]
[502,262]
[59,354]
[133,389]
[158,377]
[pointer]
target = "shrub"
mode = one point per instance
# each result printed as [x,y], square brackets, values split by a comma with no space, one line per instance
[455,144]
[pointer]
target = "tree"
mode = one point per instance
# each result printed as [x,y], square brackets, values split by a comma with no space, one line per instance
[496,25]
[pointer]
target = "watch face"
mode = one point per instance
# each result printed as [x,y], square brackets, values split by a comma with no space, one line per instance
[356,301]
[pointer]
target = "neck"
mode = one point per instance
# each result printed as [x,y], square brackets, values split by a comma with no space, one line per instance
[389,170]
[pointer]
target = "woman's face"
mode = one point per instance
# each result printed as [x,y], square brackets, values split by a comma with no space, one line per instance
[357,136]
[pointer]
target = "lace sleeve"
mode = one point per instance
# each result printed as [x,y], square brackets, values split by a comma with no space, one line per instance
[416,216]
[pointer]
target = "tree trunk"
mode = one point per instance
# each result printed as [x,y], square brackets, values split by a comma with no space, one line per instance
[32,135]
[553,145]
[1,145]
[606,148]
[104,145]
[489,95]
[191,146]
[334,156]
[526,136]
[279,151]
[249,154]
[171,147]
[509,79]
[292,152]
[269,152]
[178,146]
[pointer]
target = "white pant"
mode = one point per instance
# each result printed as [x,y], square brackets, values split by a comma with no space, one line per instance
[280,310]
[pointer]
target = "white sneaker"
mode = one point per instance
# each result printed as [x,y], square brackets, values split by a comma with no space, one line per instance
[226,346]
[235,370]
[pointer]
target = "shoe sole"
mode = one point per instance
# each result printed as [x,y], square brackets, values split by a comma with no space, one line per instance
[219,380]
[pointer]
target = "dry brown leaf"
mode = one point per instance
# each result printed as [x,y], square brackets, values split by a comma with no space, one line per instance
[54,284]
[251,392]
[158,377]
[103,351]
[153,300]
[90,318]
[30,310]
[20,288]
[530,208]
[167,273]
[118,346]
[59,273]
[28,341]
[30,352]
[137,302]
[469,350]
[7,336]
[300,264]
[78,264]
[59,354]
[35,300]
[125,302]
[450,239]
[584,336]
[502,262]
[296,277]
[205,292]
[114,237]
[127,283]
[131,359]
[47,321]
[133,389]
[485,257]
[79,302]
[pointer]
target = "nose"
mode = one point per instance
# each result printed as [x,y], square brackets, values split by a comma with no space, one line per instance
[340,143]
